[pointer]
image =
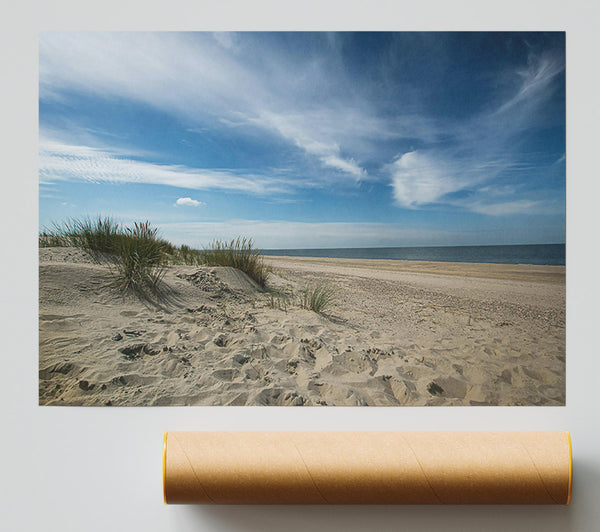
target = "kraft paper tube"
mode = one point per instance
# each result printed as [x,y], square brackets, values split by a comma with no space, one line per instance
[367,467]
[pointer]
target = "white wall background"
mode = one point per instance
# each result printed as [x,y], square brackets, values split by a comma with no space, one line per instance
[99,469]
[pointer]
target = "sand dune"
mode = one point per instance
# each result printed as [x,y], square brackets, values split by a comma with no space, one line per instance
[398,334]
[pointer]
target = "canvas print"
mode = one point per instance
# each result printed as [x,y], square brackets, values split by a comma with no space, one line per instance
[301,219]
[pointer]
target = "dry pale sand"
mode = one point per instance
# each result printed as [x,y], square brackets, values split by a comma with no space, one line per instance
[399,333]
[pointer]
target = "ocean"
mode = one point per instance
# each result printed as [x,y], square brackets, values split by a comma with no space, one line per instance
[549,254]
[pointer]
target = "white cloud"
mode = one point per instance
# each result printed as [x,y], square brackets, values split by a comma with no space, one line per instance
[62,162]
[426,178]
[419,179]
[164,69]
[189,202]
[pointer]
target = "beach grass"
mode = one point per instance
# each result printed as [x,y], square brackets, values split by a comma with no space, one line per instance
[317,297]
[278,299]
[137,255]
[140,257]
[96,236]
[238,253]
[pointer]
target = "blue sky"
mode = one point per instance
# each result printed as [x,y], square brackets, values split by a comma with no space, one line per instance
[307,140]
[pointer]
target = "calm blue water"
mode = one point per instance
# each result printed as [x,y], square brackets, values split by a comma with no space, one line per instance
[553,254]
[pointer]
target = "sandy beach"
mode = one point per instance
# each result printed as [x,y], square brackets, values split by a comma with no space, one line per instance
[398,333]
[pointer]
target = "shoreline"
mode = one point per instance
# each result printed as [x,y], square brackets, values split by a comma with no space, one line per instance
[485,270]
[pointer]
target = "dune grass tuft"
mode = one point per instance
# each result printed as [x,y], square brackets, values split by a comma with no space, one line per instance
[136,254]
[140,258]
[278,299]
[317,297]
[239,253]
[95,236]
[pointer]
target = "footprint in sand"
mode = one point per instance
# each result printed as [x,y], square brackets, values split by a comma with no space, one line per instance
[228,374]
[506,376]
[458,368]
[277,396]
[86,386]
[173,338]
[401,391]
[448,387]
[240,358]
[131,352]
[350,361]
[62,368]
[221,340]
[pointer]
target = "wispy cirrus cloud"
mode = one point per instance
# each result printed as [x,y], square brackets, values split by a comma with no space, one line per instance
[536,79]
[67,162]
[207,79]
[309,136]
[480,150]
